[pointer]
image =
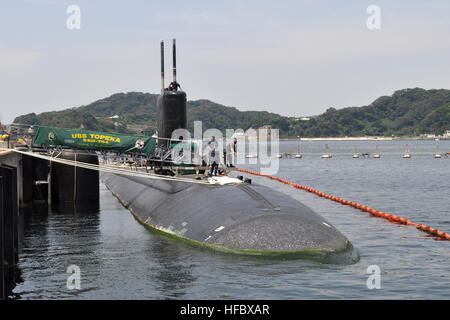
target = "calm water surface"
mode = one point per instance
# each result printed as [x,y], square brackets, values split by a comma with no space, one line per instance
[120,259]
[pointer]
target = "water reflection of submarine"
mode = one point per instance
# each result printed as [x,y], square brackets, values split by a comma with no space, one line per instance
[241,217]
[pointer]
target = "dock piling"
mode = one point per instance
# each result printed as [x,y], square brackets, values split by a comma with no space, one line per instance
[9,235]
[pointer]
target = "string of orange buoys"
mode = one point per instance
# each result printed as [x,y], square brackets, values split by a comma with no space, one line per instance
[390,217]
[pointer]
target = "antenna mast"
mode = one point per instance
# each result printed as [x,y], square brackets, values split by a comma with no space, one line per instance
[162,67]
[174,53]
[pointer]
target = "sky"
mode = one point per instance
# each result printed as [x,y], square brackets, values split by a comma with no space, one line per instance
[294,58]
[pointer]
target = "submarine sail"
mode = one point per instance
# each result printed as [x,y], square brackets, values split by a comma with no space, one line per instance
[171,105]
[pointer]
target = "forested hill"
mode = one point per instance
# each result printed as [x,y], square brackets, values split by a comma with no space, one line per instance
[407,112]
[135,109]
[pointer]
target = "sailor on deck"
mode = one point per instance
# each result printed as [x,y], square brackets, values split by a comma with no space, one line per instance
[213,155]
[231,152]
[174,86]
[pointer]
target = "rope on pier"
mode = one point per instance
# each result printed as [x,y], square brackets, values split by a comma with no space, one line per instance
[107,168]
[390,217]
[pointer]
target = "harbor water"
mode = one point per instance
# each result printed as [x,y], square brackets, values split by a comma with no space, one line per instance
[118,258]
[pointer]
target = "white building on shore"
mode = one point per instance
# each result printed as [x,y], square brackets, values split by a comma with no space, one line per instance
[446,134]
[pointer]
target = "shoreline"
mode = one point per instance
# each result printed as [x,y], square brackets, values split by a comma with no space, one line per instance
[347,139]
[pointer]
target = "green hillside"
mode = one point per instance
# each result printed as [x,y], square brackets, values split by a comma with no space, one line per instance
[407,112]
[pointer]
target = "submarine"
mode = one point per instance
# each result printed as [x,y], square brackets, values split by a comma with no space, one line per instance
[238,216]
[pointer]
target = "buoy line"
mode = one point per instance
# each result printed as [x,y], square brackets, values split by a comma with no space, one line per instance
[390,217]
[108,168]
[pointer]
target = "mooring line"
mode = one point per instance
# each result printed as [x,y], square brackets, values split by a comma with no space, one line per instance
[390,217]
[107,168]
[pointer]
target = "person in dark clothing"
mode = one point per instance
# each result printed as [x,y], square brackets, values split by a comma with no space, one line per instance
[174,86]
[213,156]
[231,152]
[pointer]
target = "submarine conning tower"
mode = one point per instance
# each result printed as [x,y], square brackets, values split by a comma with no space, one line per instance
[171,104]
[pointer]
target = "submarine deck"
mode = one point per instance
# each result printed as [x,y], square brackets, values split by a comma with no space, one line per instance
[243,217]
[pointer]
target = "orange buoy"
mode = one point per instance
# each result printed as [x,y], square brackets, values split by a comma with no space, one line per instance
[390,217]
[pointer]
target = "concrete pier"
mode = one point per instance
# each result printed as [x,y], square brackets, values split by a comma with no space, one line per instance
[9,212]
[14,160]
[2,255]
[27,180]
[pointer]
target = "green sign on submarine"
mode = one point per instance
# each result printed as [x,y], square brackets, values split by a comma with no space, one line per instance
[84,139]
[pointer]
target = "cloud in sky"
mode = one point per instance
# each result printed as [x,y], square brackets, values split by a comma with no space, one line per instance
[290,57]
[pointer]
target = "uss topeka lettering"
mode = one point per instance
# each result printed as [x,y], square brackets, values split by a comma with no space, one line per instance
[93,136]
[232,309]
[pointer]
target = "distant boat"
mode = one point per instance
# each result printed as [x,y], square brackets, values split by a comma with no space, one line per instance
[437,155]
[406,155]
[298,155]
[326,155]
[251,156]
[377,155]
[355,155]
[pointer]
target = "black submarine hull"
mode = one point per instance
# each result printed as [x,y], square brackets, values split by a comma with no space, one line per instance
[239,218]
